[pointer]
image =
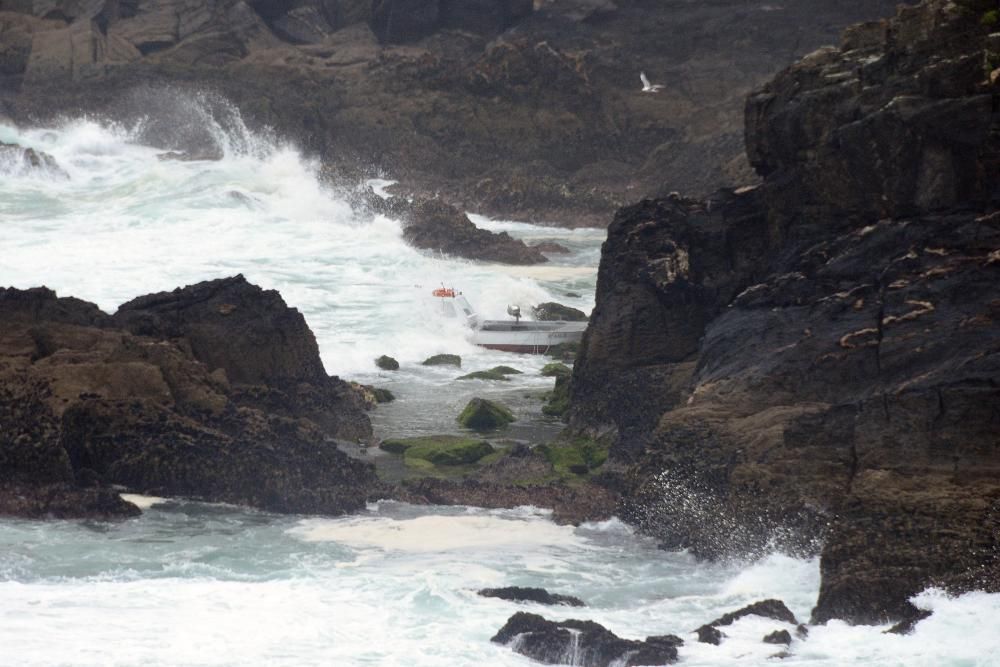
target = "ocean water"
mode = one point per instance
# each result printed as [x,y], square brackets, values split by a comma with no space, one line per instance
[197,584]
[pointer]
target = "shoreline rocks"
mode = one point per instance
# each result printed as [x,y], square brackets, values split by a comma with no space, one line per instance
[214,392]
[582,643]
[810,363]
[537,595]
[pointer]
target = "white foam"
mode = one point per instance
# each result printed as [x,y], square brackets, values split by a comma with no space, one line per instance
[428,534]
[143,502]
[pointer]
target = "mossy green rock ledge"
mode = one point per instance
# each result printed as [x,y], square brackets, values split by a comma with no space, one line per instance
[557,370]
[483,415]
[443,360]
[441,450]
[495,373]
[387,363]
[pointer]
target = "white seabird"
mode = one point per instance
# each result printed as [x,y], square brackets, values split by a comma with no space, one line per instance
[648,87]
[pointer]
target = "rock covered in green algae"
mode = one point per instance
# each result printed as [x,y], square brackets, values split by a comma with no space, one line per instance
[499,373]
[387,363]
[483,415]
[443,360]
[556,369]
[442,450]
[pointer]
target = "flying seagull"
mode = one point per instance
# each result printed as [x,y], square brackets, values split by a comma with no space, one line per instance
[648,87]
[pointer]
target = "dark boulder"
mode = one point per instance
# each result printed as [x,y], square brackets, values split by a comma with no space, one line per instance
[556,312]
[387,363]
[432,224]
[443,360]
[484,415]
[582,643]
[773,609]
[231,325]
[778,637]
[539,595]
[709,634]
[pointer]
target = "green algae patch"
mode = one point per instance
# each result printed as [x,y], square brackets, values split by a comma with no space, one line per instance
[498,373]
[443,360]
[438,450]
[556,369]
[576,457]
[485,375]
[483,415]
[557,400]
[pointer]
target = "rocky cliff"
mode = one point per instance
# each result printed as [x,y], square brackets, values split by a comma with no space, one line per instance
[534,114]
[215,391]
[813,363]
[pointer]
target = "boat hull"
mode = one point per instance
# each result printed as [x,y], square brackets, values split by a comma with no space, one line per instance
[527,338]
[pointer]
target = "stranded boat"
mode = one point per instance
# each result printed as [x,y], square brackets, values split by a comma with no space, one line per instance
[509,335]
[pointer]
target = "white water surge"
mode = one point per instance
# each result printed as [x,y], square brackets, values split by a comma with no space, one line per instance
[126,223]
[191,584]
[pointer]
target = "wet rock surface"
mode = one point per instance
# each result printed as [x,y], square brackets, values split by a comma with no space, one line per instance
[555,312]
[582,643]
[812,363]
[532,114]
[156,400]
[436,225]
[539,595]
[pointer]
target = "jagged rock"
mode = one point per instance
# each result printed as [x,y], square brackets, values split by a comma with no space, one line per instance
[778,637]
[810,363]
[443,360]
[387,363]
[432,224]
[589,643]
[539,595]
[85,403]
[773,609]
[483,415]
[709,634]
[907,625]
[553,312]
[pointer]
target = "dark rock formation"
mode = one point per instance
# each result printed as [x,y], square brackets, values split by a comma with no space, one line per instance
[551,312]
[709,634]
[582,643]
[778,637]
[773,609]
[443,360]
[484,415]
[907,625]
[532,114]
[539,595]
[432,224]
[263,348]
[387,363]
[816,357]
[173,410]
